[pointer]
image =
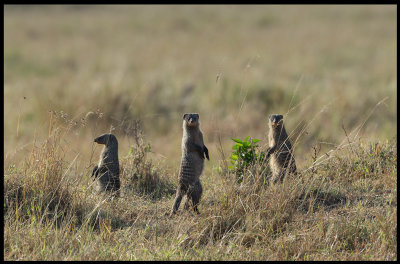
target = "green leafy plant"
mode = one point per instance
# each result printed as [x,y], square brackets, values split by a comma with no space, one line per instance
[245,153]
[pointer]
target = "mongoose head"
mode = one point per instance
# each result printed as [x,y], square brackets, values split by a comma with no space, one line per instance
[106,139]
[190,120]
[275,120]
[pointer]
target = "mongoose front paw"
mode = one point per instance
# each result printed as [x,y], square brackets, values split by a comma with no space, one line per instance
[206,152]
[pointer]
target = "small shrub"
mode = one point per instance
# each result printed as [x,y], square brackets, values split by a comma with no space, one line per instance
[138,171]
[246,153]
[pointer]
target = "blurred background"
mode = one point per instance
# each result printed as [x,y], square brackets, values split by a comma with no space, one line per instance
[95,69]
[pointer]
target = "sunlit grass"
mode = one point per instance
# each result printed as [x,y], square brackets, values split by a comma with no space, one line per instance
[80,71]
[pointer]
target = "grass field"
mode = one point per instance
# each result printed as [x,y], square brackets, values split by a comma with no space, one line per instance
[72,73]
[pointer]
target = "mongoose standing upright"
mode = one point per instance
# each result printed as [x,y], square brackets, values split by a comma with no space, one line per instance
[107,171]
[193,153]
[282,160]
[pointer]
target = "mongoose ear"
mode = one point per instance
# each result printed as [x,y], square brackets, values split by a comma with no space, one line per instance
[280,116]
[114,138]
[197,115]
[184,116]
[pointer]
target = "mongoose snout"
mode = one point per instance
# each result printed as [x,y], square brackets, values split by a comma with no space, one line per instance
[192,119]
[106,139]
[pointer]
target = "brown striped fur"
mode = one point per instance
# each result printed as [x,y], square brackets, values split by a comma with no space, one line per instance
[193,153]
[282,159]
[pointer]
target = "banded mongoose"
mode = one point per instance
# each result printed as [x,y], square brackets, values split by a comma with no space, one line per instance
[106,173]
[282,159]
[192,164]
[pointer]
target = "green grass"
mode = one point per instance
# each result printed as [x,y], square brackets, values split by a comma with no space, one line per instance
[77,72]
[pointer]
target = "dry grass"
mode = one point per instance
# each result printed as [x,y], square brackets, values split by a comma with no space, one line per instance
[77,72]
[346,208]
